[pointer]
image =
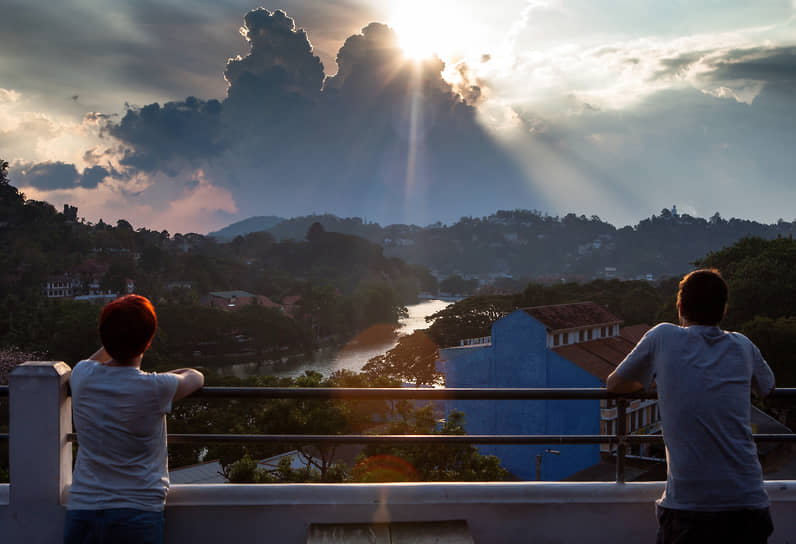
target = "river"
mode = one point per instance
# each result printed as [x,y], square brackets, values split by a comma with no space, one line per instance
[353,356]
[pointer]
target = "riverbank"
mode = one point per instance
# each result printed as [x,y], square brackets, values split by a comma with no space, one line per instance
[349,355]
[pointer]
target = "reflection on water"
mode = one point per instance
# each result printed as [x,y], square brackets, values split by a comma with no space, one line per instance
[353,356]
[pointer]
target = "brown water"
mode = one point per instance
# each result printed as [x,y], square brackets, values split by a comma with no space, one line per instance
[353,356]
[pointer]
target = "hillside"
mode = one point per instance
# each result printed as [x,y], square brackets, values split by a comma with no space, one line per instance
[532,245]
[321,289]
[252,224]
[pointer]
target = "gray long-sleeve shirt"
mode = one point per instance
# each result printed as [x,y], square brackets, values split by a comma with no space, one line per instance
[704,377]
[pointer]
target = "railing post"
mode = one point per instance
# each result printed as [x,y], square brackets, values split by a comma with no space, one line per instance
[40,457]
[621,434]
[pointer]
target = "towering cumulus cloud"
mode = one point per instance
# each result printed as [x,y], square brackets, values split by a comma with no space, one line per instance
[385,137]
[280,61]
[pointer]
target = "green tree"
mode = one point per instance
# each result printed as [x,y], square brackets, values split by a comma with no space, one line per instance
[413,359]
[469,318]
[776,339]
[760,276]
[450,462]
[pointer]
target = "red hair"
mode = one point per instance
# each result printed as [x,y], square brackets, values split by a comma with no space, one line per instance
[126,327]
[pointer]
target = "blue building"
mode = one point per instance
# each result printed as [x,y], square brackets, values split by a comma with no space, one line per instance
[566,345]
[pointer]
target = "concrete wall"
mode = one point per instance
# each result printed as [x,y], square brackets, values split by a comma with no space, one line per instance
[518,357]
[506,513]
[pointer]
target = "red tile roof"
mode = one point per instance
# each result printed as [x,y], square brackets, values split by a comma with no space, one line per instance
[572,316]
[600,357]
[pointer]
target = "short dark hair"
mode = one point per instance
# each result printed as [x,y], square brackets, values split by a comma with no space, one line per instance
[127,326]
[702,297]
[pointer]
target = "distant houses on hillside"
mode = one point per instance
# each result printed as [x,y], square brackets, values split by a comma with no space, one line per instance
[84,282]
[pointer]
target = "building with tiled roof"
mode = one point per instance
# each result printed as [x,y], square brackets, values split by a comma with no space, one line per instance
[563,317]
[577,322]
[566,345]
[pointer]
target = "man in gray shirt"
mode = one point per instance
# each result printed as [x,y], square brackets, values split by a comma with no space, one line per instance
[705,377]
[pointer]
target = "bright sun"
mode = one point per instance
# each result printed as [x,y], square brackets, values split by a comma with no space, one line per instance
[425,28]
[415,43]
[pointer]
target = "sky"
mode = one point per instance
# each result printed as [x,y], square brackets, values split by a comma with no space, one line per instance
[188,115]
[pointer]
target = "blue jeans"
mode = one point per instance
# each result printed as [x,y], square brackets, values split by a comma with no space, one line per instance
[114,525]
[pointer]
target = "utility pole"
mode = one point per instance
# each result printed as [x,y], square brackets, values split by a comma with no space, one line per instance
[539,462]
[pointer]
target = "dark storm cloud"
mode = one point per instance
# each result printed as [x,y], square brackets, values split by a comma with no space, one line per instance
[143,49]
[773,66]
[93,176]
[50,176]
[384,137]
[155,134]
[770,65]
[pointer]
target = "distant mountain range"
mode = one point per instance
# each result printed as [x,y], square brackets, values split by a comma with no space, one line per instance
[530,245]
[252,224]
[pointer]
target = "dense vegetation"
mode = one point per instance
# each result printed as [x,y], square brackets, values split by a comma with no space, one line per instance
[578,248]
[338,285]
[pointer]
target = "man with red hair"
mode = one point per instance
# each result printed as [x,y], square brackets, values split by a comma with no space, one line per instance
[121,478]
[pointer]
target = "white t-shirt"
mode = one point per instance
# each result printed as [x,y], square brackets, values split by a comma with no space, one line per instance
[705,376]
[119,416]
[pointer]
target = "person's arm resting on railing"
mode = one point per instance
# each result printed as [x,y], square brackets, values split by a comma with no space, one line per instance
[636,371]
[618,384]
[763,383]
[190,380]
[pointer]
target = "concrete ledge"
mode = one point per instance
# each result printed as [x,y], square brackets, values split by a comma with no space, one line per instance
[418,493]
[431,493]
[513,512]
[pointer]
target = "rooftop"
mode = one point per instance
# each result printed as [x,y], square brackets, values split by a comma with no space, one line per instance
[572,316]
[601,356]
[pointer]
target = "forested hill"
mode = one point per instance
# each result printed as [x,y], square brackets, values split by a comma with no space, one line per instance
[532,245]
[252,224]
[322,288]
